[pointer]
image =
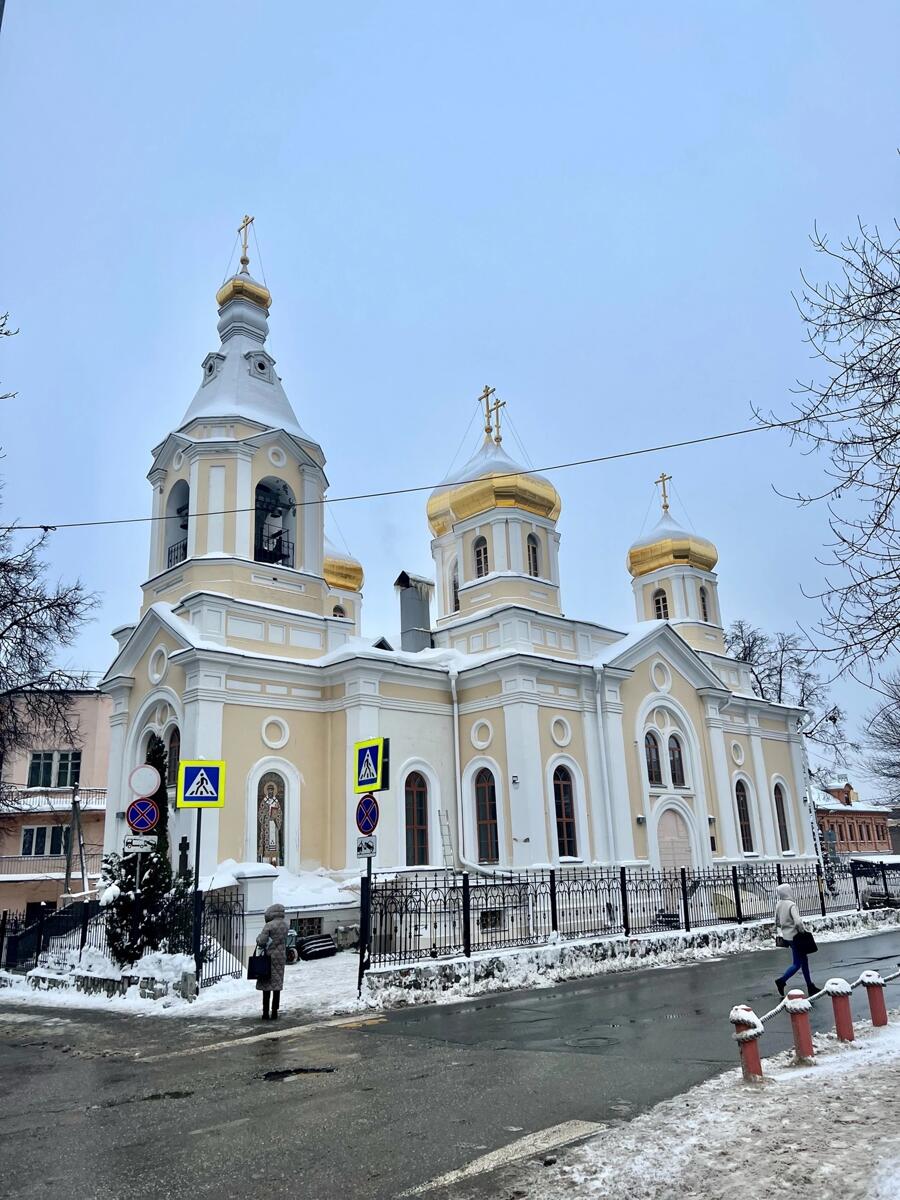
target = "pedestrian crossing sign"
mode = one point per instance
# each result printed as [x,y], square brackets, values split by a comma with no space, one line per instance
[201,784]
[372,765]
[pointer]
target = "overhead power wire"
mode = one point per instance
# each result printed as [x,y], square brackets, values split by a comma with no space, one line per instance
[50,526]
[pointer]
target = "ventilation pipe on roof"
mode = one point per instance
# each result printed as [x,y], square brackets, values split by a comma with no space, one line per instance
[415,612]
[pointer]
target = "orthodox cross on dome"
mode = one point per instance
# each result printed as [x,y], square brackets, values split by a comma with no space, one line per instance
[662,481]
[242,230]
[485,399]
[495,410]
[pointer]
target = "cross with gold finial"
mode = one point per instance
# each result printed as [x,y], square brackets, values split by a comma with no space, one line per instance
[242,230]
[485,399]
[662,481]
[495,411]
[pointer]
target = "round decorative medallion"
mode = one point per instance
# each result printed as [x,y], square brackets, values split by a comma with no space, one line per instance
[482,735]
[275,732]
[561,731]
[277,456]
[177,460]
[661,676]
[737,752]
[158,665]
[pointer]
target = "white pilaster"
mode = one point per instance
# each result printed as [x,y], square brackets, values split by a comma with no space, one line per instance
[312,523]
[600,849]
[726,825]
[362,723]
[620,801]
[527,803]
[243,502]
[498,537]
[516,549]
[215,508]
[202,739]
[765,801]
[194,508]
[116,785]
[158,526]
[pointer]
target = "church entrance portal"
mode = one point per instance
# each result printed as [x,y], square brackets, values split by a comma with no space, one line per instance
[674,840]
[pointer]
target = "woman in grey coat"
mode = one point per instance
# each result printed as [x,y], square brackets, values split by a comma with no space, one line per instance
[788,924]
[273,939]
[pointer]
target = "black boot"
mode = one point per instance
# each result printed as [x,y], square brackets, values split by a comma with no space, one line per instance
[779,983]
[276,999]
[266,998]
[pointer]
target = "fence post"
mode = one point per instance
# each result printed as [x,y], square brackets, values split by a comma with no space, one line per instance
[887,890]
[778,878]
[623,885]
[738,911]
[820,883]
[85,916]
[684,901]
[554,922]
[365,924]
[2,935]
[853,876]
[40,937]
[467,916]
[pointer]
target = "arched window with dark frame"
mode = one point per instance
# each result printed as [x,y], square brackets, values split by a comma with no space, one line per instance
[480,551]
[784,834]
[654,762]
[743,811]
[486,817]
[676,761]
[339,611]
[564,796]
[173,757]
[454,587]
[704,605]
[534,555]
[416,795]
[661,604]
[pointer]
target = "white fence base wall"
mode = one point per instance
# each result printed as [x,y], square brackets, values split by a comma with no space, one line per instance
[507,970]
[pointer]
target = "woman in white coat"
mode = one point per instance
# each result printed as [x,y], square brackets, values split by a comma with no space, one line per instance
[788,924]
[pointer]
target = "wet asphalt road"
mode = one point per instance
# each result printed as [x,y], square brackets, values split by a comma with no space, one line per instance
[113,1106]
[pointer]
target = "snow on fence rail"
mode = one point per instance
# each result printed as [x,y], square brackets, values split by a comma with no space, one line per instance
[749,1028]
[415,915]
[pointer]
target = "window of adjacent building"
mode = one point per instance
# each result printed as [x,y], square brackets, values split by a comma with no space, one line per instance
[416,820]
[564,796]
[704,604]
[851,831]
[454,588]
[654,763]
[480,550]
[867,833]
[486,817]
[54,768]
[676,761]
[173,757]
[45,839]
[661,605]
[534,555]
[743,811]
[781,814]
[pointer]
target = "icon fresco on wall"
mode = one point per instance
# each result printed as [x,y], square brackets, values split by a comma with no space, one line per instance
[270,820]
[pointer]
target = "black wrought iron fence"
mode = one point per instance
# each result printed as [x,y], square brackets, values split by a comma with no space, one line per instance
[442,914]
[83,925]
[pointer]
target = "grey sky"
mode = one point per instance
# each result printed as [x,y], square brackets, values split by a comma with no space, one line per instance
[601,210]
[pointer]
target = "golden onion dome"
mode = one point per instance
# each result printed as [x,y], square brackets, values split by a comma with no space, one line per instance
[341,571]
[490,480]
[668,545]
[244,287]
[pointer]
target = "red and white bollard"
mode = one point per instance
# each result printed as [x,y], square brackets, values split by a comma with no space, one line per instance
[798,1006]
[875,985]
[840,992]
[748,1029]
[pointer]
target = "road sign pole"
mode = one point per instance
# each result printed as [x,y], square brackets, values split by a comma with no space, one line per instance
[136,908]
[197,901]
[365,925]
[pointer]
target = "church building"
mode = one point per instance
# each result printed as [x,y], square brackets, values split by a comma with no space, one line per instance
[519,735]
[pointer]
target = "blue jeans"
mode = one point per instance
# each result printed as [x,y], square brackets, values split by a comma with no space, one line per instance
[800,963]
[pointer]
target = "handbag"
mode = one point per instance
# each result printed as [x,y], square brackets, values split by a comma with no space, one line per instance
[805,942]
[780,942]
[259,966]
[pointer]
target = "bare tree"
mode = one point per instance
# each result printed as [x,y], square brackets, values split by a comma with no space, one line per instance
[783,670]
[852,415]
[882,741]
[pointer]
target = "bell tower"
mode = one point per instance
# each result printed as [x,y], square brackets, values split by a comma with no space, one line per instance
[239,490]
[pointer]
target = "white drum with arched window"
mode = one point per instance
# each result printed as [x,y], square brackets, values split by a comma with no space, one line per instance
[674,840]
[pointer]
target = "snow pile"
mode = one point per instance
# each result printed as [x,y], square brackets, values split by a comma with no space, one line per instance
[167,968]
[824,1131]
[314,889]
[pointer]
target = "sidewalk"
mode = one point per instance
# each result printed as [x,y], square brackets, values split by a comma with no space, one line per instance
[828,1131]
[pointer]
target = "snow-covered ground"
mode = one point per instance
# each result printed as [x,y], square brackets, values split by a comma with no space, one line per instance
[326,987]
[828,1131]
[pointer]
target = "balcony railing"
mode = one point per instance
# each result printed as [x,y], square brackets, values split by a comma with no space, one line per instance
[274,548]
[29,800]
[49,864]
[176,554]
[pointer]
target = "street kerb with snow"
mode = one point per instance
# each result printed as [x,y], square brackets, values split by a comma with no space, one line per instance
[828,1131]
